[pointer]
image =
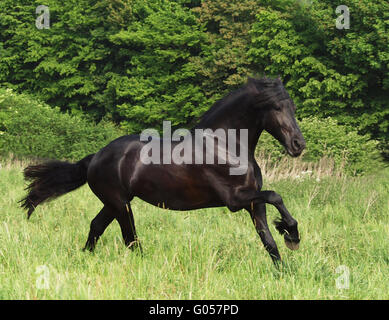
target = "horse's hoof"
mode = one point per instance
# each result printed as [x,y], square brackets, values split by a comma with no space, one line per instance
[292,245]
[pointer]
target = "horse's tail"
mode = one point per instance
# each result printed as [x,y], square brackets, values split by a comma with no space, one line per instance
[52,179]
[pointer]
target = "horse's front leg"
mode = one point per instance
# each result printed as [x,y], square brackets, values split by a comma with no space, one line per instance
[258,215]
[287,226]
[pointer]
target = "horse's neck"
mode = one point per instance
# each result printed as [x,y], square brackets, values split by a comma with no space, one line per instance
[238,115]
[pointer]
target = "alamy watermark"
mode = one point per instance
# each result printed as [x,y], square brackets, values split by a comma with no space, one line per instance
[199,146]
[343,21]
[343,281]
[43,20]
[43,277]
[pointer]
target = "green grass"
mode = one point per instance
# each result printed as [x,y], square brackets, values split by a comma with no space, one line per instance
[202,254]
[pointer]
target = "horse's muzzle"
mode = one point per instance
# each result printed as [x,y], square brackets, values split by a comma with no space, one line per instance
[296,147]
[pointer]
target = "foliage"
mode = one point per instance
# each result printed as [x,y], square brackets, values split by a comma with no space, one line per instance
[132,66]
[67,64]
[158,81]
[138,63]
[30,128]
[222,63]
[330,72]
[327,138]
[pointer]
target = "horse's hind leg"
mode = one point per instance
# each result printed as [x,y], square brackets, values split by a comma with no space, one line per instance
[116,206]
[287,226]
[126,221]
[98,226]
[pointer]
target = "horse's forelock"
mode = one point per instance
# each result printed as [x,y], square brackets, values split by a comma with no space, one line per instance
[268,88]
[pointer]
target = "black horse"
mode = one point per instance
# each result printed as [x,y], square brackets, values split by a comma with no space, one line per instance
[117,174]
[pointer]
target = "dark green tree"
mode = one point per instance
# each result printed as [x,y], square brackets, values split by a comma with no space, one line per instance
[157,80]
[330,72]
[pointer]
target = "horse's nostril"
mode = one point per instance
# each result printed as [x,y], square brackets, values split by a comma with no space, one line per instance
[296,144]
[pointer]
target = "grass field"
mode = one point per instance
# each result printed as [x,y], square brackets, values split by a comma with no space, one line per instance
[202,254]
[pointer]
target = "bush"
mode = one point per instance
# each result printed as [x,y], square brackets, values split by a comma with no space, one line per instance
[30,128]
[326,138]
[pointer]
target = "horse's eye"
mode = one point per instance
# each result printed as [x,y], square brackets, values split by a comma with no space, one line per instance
[277,108]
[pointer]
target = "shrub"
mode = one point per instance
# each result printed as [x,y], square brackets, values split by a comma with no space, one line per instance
[326,138]
[30,128]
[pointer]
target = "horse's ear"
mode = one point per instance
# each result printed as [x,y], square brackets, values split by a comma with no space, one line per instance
[252,85]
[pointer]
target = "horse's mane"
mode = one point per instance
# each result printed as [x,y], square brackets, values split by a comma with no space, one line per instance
[221,104]
[263,89]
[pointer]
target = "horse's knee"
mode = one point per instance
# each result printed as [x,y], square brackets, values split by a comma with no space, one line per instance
[274,198]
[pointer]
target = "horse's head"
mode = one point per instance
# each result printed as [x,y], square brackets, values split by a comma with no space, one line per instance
[278,113]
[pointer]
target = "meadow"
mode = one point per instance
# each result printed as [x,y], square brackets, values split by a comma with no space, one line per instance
[202,254]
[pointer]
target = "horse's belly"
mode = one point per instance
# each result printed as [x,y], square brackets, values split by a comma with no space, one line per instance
[180,199]
[179,191]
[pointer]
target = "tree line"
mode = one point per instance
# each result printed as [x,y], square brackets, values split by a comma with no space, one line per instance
[139,62]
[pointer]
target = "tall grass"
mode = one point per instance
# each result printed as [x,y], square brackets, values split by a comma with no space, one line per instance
[295,168]
[202,254]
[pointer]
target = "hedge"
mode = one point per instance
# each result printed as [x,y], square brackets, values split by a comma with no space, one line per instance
[31,128]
